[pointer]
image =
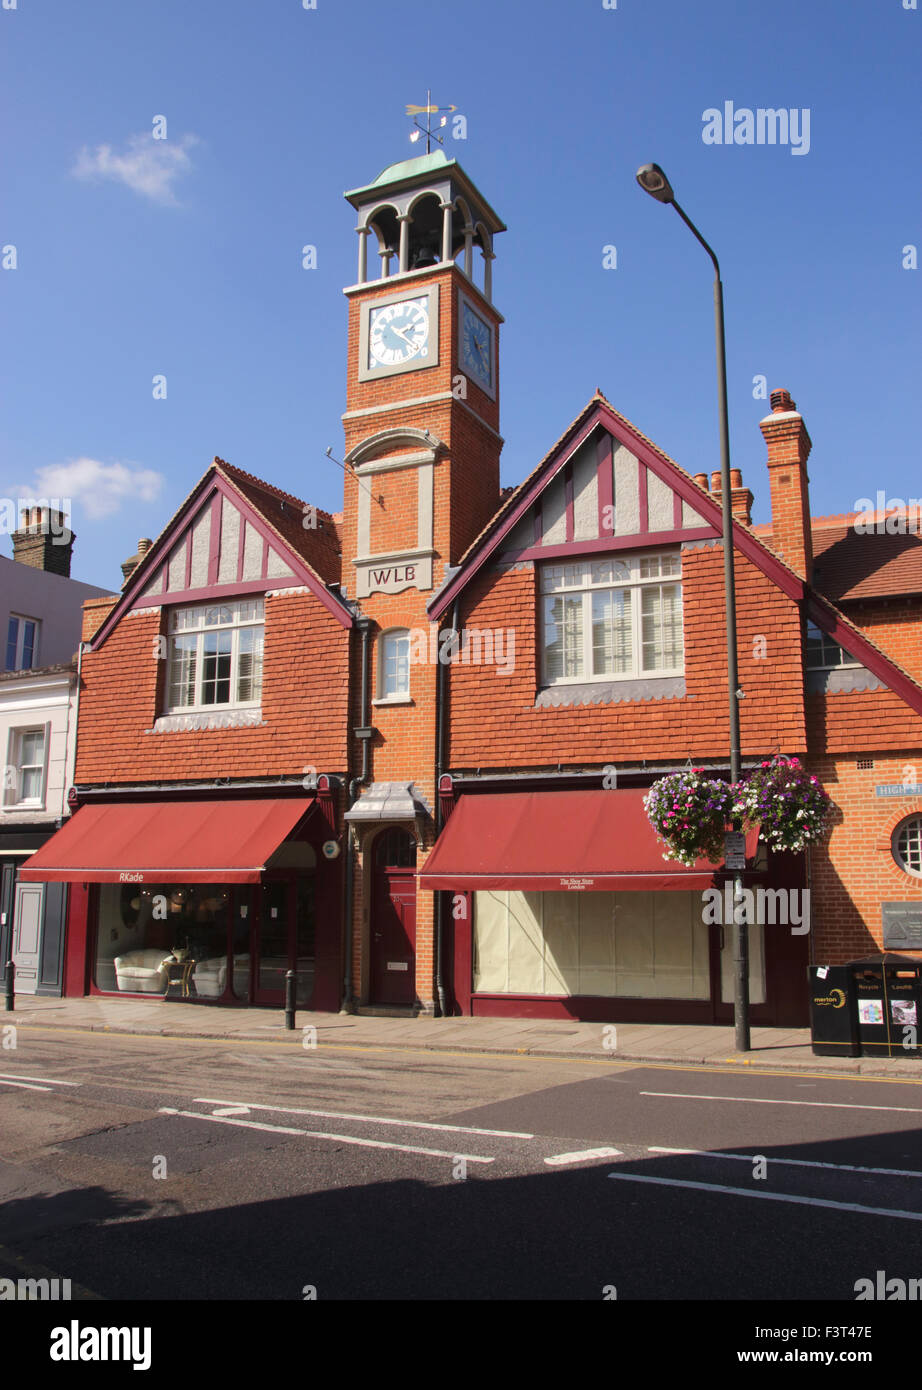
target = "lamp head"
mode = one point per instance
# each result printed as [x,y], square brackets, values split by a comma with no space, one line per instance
[653,181]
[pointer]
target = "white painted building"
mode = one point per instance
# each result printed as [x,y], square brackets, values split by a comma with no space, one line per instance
[40,623]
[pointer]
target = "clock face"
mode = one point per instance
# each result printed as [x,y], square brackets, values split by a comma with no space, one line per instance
[398,333]
[476,347]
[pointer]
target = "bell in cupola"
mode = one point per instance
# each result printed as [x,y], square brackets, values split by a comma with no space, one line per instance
[424,254]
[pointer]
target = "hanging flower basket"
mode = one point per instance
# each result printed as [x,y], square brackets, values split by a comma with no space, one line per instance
[689,813]
[788,805]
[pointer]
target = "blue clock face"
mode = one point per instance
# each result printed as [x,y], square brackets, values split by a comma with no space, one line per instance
[476,347]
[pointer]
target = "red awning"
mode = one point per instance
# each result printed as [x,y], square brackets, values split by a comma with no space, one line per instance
[167,842]
[549,841]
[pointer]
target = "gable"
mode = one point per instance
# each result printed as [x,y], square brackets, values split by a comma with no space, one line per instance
[233,537]
[604,497]
[219,547]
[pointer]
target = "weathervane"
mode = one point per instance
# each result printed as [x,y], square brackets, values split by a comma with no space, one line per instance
[428,111]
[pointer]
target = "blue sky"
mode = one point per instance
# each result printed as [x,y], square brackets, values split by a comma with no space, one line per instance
[182,257]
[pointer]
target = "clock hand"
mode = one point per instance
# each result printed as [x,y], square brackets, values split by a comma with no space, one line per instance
[402,333]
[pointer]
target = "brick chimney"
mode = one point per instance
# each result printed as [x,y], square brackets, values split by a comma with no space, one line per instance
[740,497]
[131,564]
[788,450]
[44,540]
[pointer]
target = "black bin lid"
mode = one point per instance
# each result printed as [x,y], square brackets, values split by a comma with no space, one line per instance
[889,958]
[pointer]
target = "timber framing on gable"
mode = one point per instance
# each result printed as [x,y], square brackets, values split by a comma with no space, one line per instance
[534,524]
[220,544]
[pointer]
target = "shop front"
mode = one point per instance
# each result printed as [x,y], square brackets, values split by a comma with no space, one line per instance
[563,907]
[201,901]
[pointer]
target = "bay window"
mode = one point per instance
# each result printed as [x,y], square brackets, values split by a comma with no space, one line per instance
[614,617]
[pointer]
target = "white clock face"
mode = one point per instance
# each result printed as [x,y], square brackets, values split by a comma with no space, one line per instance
[398,333]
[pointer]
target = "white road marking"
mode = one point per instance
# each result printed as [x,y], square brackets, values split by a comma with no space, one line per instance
[793,1162]
[23,1086]
[559,1160]
[48,1080]
[370,1119]
[772,1196]
[319,1134]
[758,1100]
[234,1110]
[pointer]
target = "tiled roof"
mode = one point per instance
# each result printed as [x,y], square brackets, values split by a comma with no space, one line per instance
[847,565]
[852,563]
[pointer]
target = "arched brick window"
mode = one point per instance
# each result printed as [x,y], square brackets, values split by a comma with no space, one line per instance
[907,845]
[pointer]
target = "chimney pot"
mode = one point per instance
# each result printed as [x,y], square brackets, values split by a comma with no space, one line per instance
[736,478]
[144,545]
[781,400]
[702,480]
[715,480]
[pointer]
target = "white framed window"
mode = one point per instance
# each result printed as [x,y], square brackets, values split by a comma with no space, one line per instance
[215,656]
[394,665]
[21,643]
[906,846]
[823,654]
[24,774]
[618,617]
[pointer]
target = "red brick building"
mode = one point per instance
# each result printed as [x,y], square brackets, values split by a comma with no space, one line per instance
[403,753]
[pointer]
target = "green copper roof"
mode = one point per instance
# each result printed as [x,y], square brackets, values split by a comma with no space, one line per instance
[422,164]
[406,172]
[406,169]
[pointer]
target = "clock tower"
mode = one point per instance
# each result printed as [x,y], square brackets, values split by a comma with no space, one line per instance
[422,378]
[422,480]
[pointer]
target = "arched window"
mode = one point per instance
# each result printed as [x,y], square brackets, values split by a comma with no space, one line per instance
[394,664]
[907,845]
[395,849]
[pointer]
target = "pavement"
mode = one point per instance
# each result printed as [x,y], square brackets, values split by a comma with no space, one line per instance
[774,1049]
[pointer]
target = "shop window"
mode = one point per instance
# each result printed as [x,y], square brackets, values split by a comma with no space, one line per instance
[168,938]
[620,616]
[215,656]
[394,665]
[24,774]
[823,654]
[612,945]
[907,846]
[21,643]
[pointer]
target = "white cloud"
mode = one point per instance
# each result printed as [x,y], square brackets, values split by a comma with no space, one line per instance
[146,166]
[95,489]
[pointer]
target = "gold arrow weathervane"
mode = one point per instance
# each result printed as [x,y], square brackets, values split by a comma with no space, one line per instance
[428,111]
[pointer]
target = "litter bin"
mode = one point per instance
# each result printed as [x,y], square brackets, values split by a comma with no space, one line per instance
[833,1016]
[888,999]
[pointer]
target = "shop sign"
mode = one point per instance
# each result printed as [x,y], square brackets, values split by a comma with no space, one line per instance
[734,850]
[902,926]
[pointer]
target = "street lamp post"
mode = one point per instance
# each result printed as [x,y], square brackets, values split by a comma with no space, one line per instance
[653,181]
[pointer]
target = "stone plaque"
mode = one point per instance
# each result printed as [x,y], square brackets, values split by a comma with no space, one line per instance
[902,926]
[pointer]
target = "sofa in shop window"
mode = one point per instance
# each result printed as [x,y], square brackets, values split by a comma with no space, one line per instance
[145,971]
[210,978]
